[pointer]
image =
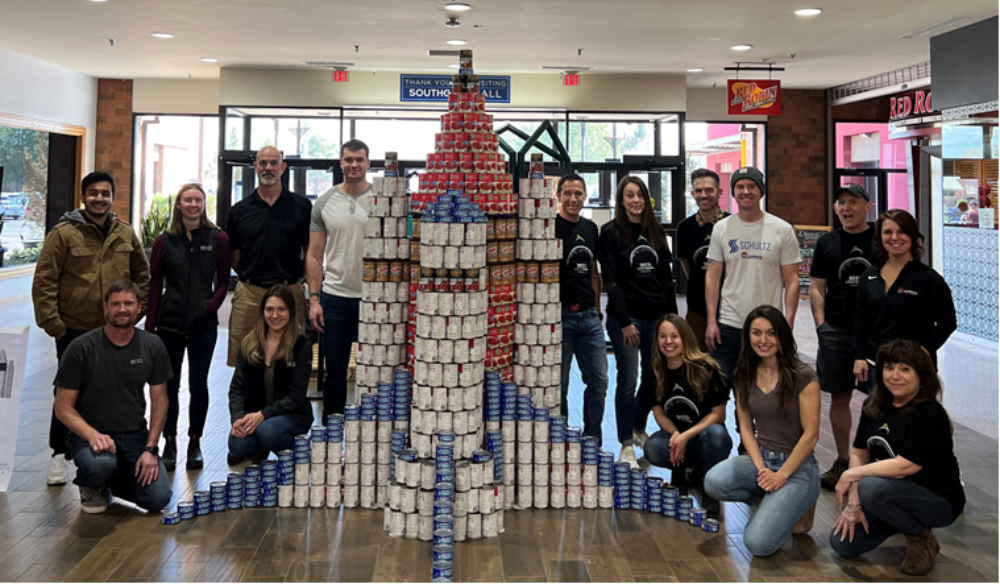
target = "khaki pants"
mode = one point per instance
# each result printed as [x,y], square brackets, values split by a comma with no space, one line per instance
[246,311]
[698,324]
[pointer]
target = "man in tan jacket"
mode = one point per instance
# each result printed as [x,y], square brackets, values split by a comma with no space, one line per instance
[82,256]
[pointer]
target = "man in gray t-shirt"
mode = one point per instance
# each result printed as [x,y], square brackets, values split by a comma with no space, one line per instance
[100,397]
[759,254]
[334,268]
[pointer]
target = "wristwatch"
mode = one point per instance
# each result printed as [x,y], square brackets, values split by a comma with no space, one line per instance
[154,449]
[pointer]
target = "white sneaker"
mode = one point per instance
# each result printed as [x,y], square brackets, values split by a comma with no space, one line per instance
[628,455]
[639,437]
[58,475]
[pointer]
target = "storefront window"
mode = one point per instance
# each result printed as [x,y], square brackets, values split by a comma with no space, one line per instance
[409,139]
[602,141]
[302,137]
[24,183]
[169,152]
[722,148]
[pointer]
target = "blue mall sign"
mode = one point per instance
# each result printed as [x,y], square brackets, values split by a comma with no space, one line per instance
[496,89]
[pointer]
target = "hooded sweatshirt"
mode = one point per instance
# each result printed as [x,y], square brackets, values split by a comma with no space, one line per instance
[76,266]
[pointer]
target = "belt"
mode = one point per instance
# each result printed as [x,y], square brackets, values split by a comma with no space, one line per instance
[267,283]
[577,307]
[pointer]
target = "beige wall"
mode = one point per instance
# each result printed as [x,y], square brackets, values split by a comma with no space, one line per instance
[175,96]
[311,88]
[708,104]
[34,89]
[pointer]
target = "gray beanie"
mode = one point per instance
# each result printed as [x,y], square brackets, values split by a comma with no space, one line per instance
[747,172]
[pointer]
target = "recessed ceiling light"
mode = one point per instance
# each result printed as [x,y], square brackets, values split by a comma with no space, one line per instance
[696,69]
[209,60]
[457,6]
[808,11]
[98,0]
[714,39]
[163,35]
[741,47]
[457,42]
[454,65]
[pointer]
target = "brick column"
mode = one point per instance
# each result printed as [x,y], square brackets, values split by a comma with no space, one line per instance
[114,139]
[796,158]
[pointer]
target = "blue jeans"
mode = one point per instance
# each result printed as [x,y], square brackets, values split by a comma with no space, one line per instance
[627,360]
[893,506]
[704,451]
[583,336]
[274,434]
[341,329]
[727,353]
[117,470]
[778,512]
[58,432]
[200,349]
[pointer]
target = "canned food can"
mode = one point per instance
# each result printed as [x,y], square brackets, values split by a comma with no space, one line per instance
[710,525]
[425,528]
[171,518]
[352,495]
[442,571]
[412,526]
[698,515]
[490,524]
[474,526]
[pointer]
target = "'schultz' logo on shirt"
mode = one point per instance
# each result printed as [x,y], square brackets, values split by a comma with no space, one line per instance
[136,361]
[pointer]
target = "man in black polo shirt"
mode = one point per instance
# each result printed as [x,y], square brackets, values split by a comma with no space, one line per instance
[580,294]
[838,262]
[268,235]
[693,236]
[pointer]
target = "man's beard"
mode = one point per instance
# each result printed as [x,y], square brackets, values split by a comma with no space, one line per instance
[114,322]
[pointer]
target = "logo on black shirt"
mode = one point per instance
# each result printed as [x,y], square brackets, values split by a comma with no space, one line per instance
[579,258]
[902,290]
[136,361]
[851,269]
[878,444]
[681,410]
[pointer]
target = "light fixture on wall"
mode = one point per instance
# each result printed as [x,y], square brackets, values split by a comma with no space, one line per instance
[696,69]
[162,35]
[809,11]
[741,47]
[456,42]
[457,7]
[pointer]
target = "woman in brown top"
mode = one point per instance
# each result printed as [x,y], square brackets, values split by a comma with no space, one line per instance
[778,404]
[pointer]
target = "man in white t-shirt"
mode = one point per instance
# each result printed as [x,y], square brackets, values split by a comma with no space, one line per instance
[759,254]
[334,267]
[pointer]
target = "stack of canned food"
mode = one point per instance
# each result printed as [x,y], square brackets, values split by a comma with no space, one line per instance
[443,565]
[605,480]
[623,485]
[654,495]
[286,478]
[234,490]
[252,486]
[219,501]
[352,455]
[638,490]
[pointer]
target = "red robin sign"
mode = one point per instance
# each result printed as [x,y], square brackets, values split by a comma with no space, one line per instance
[753,97]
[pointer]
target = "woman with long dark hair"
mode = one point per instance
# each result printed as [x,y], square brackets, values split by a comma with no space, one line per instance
[901,298]
[904,477]
[189,280]
[778,403]
[636,267]
[689,407]
[267,397]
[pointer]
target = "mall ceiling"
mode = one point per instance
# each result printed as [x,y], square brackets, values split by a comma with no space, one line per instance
[851,39]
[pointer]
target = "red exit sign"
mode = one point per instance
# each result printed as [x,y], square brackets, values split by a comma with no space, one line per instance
[341,77]
[571,80]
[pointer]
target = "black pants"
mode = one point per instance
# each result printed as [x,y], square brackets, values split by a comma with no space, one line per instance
[200,349]
[58,430]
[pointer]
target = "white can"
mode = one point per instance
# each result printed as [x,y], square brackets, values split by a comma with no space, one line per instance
[422,444]
[525,498]
[460,419]
[428,474]
[474,529]
[461,505]
[352,473]
[301,497]
[557,455]
[408,500]
[286,495]
[574,496]
[461,528]
[557,474]
[530,373]
[383,453]
[540,247]
[541,475]
[460,304]
[605,497]
[524,452]
[317,473]
[557,498]
[487,499]
[525,474]
[444,422]
[367,475]
[574,453]
[368,450]
[395,495]
[426,528]
[589,497]
[412,526]
[352,452]
[397,524]
[367,498]
[490,524]
[333,498]
[439,399]
[472,397]
[317,495]
[425,502]
[541,497]
[574,474]
[352,430]
[352,496]
[590,475]
[334,450]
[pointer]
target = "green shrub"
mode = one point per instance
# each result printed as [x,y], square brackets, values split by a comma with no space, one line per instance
[22,257]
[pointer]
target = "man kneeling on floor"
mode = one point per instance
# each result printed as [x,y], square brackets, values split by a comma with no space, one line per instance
[100,398]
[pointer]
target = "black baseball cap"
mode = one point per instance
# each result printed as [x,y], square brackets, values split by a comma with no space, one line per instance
[854,189]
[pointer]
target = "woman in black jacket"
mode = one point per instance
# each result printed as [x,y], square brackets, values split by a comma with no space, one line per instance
[636,268]
[189,271]
[267,397]
[902,298]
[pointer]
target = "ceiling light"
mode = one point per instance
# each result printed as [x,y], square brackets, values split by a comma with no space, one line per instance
[457,6]
[328,64]
[98,0]
[454,65]
[163,35]
[741,47]
[933,27]
[209,60]
[696,69]
[566,67]
[808,11]
[457,42]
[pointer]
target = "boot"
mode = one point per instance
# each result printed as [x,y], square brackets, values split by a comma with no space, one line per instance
[830,478]
[805,522]
[678,478]
[921,550]
[195,460]
[169,456]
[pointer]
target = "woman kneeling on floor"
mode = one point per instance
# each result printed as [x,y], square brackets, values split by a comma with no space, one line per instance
[904,477]
[778,403]
[689,406]
[267,397]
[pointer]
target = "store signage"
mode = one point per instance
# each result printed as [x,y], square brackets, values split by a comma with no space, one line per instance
[753,97]
[341,77]
[571,80]
[496,89]
[917,104]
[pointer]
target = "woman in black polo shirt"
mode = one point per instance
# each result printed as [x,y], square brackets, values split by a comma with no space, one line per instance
[902,298]
[267,397]
[904,477]
[689,405]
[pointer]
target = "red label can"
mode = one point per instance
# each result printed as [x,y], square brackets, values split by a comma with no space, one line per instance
[455,181]
[454,102]
[471,183]
[479,161]
[448,142]
[465,162]
[450,163]
[476,141]
[486,183]
[461,142]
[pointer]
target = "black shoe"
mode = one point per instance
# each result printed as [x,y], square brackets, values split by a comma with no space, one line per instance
[695,476]
[194,457]
[678,478]
[233,460]
[710,505]
[169,456]
[830,478]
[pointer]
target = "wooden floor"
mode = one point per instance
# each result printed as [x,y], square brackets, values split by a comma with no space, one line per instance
[44,537]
